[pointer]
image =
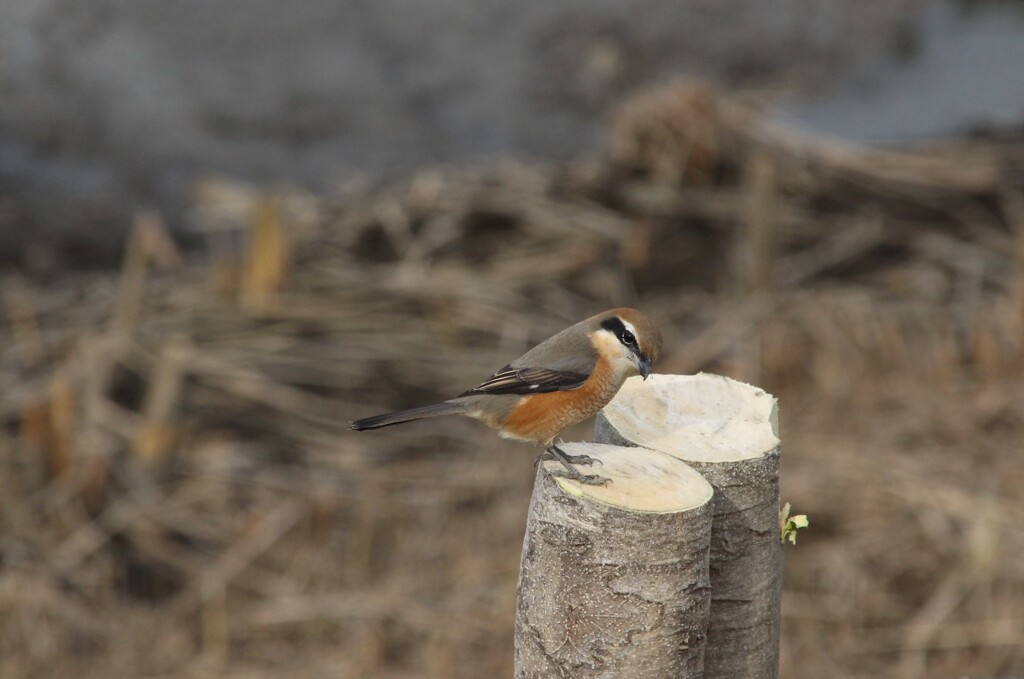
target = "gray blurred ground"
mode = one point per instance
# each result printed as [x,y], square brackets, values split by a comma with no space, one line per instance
[110,105]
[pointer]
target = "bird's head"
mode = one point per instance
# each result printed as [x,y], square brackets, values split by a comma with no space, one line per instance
[631,340]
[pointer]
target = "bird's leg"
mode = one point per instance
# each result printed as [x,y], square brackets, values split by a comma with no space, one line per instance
[553,452]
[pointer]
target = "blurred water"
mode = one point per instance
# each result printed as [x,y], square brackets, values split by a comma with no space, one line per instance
[965,70]
[106,106]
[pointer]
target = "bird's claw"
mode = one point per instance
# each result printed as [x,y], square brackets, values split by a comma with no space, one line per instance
[582,459]
[586,479]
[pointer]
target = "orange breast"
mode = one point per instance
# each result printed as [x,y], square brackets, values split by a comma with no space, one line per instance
[541,417]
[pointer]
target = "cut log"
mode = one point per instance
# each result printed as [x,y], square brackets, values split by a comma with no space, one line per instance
[613,580]
[728,431]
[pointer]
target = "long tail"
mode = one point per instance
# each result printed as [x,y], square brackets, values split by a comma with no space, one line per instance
[400,416]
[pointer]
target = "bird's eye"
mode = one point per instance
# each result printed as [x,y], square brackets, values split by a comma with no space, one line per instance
[628,338]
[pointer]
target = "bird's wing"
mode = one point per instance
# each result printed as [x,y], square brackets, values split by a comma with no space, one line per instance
[511,380]
[559,363]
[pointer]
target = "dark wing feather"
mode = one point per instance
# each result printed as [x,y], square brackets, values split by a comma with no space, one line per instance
[511,380]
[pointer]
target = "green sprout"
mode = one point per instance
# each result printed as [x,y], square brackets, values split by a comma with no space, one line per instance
[789,525]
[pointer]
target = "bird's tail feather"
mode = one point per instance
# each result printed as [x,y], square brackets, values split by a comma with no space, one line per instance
[399,416]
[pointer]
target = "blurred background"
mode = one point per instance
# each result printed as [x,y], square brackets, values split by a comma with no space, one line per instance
[226,229]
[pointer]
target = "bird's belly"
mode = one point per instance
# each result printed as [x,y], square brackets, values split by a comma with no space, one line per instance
[541,417]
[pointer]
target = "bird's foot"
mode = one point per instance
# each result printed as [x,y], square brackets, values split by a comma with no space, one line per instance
[587,479]
[555,453]
[571,459]
[570,472]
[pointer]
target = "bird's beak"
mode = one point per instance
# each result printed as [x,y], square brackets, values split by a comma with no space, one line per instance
[643,364]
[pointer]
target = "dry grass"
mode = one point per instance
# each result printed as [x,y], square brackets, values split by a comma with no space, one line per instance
[180,496]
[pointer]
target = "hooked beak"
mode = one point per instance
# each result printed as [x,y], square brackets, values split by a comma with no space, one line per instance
[643,364]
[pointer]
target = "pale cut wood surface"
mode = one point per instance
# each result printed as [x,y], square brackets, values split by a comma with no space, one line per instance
[703,417]
[640,481]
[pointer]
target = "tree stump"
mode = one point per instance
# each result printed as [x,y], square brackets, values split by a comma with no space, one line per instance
[613,580]
[728,431]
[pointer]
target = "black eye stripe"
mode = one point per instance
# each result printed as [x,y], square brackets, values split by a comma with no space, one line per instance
[615,326]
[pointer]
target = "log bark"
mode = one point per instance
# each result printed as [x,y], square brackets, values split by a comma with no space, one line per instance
[728,431]
[613,580]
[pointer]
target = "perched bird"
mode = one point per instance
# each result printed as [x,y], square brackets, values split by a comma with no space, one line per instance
[560,382]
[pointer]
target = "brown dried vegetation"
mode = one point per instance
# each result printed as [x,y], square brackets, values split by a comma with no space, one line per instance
[181,496]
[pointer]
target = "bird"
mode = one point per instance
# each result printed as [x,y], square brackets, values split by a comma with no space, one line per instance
[560,382]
